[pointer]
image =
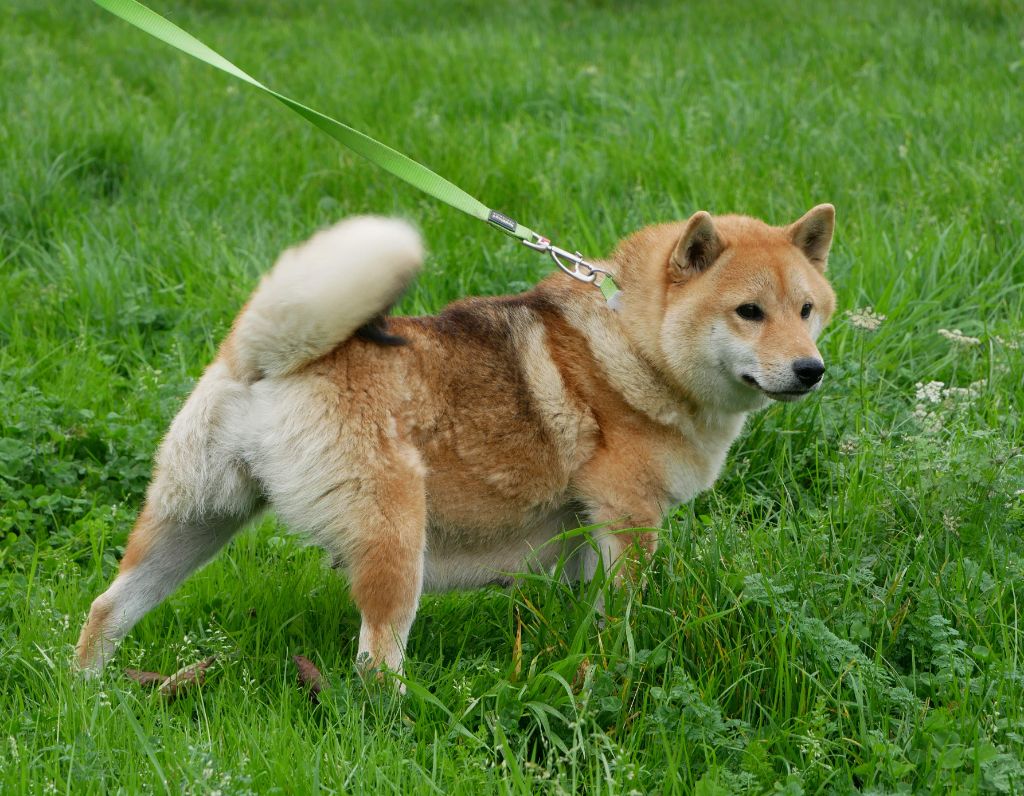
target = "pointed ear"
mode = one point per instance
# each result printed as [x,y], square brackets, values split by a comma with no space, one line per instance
[699,245]
[812,234]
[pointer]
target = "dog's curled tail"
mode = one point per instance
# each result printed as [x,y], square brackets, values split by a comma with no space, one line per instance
[320,292]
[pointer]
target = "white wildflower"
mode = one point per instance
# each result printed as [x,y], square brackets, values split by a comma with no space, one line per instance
[848,446]
[956,393]
[963,394]
[1013,345]
[935,399]
[865,318]
[957,337]
[929,393]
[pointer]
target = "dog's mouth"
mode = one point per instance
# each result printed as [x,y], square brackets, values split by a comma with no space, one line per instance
[777,395]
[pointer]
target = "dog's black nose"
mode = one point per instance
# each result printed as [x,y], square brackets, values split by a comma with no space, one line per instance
[808,370]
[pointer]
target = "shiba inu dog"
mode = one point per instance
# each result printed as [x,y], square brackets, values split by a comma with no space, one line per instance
[448,451]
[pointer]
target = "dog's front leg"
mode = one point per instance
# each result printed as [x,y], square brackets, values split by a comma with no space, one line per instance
[628,513]
[620,545]
[624,539]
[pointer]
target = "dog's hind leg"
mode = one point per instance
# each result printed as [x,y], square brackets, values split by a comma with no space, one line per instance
[385,559]
[199,497]
[161,553]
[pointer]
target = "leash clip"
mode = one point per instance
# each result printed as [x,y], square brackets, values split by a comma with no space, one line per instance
[580,269]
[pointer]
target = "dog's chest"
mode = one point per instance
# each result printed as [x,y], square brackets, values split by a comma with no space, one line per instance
[694,465]
[686,477]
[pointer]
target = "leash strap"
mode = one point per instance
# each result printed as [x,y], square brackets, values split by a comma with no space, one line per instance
[402,166]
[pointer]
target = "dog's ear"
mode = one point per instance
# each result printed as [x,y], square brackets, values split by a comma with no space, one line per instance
[698,247]
[812,234]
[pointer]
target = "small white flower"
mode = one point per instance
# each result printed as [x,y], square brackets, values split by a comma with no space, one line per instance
[957,337]
[963,394]
[929,393]
[865,318]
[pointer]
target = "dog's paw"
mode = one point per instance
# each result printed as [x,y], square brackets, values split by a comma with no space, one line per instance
[379,673]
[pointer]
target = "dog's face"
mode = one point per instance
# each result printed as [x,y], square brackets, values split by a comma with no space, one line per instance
[735,314]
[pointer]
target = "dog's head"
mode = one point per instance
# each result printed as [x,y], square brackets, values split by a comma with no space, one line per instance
[730,307]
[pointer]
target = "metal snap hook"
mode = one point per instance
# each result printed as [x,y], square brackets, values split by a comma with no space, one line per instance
[571,263]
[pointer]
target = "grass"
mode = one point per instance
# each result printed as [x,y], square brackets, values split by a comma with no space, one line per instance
[840,613]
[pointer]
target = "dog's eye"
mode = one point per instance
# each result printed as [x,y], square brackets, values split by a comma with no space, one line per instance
[805,310]
[750,312]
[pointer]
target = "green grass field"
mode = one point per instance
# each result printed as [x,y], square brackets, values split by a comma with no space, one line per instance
[840,613]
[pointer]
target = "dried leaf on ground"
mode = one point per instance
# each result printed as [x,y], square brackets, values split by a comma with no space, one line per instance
[309,676]
[145,679]
[184,678]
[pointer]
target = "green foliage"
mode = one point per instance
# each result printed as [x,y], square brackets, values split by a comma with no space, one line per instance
[839,614]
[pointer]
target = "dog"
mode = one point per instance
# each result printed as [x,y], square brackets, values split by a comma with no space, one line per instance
[445,452]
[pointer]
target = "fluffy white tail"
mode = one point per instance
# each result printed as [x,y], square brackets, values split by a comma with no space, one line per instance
[321,291]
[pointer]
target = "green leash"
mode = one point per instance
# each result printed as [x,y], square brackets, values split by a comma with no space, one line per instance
[391,160]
